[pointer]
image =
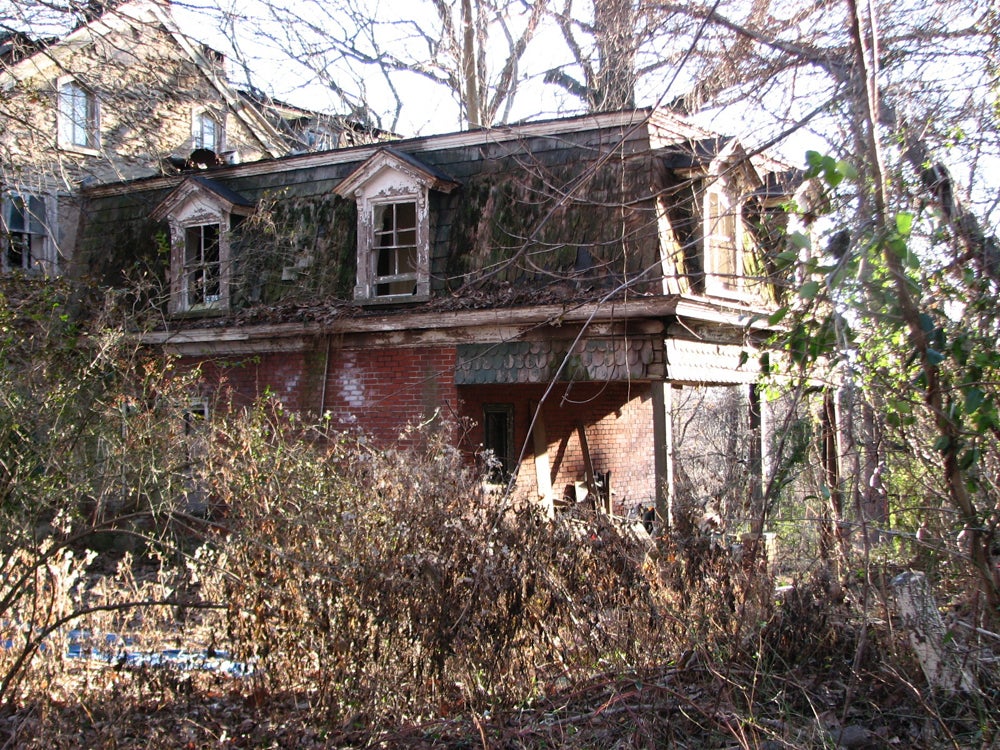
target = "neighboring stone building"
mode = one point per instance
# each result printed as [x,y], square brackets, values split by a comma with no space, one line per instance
[124,95]
[545,286]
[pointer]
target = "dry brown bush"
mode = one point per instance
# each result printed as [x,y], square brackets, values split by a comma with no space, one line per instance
[392,584]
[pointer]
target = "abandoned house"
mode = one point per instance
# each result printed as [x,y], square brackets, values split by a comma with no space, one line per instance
[124,95]
[545,286]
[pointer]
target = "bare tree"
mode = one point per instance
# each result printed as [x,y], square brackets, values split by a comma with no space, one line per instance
[906,103]
[470,49]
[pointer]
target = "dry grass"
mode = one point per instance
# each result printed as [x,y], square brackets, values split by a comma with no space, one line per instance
[385,600]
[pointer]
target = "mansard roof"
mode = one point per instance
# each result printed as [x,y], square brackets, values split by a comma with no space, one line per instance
[551,212]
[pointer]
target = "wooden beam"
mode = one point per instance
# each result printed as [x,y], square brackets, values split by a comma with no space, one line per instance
[758,459]
[645,313]
[663,451]
[543,474]
[588,464]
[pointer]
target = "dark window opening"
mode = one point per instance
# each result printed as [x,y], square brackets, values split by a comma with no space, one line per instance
[23,231]
[395,248]
[202,265]
[498,440]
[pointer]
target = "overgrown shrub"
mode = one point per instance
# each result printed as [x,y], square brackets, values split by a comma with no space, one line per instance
[390,583]
[89,458]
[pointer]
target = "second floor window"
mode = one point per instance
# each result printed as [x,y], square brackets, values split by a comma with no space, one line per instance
[202,214]
[395,249]
[202,273]
[392,193]
[78,116]
[207,132]
[723,243]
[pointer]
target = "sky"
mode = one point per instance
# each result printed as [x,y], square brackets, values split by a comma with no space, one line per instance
[427,108]
[248,30]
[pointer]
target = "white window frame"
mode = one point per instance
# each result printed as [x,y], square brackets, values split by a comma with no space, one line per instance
[368,280]
[193,205]
[391,243]
[73,134]
[723,238]
[194,266]
[183,297]
[35,212]
[392,178]
[199,118]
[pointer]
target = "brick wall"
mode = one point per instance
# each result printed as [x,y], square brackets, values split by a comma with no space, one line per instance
[382,390]
[292,377]
[618,418]
[379,391]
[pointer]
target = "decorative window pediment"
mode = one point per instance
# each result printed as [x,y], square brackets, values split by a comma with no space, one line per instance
[391,190]
[201,214]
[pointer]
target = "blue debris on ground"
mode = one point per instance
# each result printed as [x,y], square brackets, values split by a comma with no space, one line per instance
[121,651]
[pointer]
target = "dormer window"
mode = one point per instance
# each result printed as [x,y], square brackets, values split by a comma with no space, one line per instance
[396,249]
[201,214]
[79,121]
[201,282]
[392,192]
[723,235]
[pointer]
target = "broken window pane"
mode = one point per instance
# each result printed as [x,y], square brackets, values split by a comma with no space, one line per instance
[202,266]
[395,247]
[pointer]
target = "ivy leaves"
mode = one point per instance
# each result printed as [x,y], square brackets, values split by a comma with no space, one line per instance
[847,311]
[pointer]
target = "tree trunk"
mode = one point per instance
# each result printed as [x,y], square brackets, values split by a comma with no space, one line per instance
[941,662]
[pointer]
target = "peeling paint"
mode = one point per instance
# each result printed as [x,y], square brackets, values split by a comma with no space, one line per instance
[350,386]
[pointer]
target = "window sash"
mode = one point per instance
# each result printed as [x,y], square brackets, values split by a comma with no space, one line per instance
[395,249]
[722,242]
[202,272]
[78,108]
[206,132]
[24,214]
[24,230]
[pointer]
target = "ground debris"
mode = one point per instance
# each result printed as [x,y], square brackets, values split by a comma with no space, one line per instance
[690,707]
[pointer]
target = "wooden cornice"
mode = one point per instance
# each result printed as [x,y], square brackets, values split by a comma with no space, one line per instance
[647,315]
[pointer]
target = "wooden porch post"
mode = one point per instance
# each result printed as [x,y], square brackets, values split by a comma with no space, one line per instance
[833,530]
[759,459]
[663,442]
[543,473]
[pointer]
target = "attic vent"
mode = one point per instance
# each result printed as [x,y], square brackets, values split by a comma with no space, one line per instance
[203,158]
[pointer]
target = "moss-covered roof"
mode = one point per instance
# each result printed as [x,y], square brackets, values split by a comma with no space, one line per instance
[543,215]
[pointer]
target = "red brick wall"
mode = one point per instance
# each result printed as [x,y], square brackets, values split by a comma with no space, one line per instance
[238,380]
[619,425]
[379,391]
